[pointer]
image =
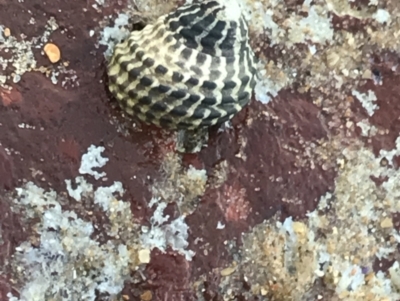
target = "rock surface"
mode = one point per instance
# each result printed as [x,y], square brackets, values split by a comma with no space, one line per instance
[295,200]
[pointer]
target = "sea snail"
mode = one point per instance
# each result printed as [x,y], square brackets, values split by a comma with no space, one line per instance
[191,69]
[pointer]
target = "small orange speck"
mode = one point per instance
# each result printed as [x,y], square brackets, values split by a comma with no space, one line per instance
[146,296]
[7,32]
[52,52]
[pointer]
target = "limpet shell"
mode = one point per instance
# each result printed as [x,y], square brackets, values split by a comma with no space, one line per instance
[192,68]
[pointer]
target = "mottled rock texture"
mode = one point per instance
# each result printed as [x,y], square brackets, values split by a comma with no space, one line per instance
[276,160]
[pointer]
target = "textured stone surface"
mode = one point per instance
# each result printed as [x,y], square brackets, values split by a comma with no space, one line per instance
[276,160]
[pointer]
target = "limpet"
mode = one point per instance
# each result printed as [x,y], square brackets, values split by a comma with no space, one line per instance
[191,69]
